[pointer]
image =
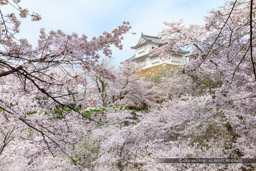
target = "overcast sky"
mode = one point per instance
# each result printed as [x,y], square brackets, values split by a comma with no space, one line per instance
[92,17]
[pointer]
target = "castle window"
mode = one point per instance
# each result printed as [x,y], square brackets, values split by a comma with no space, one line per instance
[175,61]
[141,52]
[155,62]
[177,55]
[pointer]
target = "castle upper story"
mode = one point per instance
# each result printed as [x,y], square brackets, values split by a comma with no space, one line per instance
[146,45]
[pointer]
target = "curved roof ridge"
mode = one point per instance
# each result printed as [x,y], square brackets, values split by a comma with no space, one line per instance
[148,39]
[156,37]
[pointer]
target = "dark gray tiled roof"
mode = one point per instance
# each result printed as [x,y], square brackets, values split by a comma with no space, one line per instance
[149,39]
[153,39]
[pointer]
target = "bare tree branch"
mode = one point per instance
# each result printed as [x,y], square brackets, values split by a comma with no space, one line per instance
[251,38]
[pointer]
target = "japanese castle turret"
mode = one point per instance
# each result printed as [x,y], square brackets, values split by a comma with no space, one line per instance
[146,45]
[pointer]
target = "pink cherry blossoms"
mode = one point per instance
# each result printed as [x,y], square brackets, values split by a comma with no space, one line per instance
[63,108]
[40,85]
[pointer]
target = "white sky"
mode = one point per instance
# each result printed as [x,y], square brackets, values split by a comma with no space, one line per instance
[92,17]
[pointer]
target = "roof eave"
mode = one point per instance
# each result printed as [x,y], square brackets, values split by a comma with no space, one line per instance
[146,43]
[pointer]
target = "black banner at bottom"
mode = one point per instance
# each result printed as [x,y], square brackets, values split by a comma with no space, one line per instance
[206,160]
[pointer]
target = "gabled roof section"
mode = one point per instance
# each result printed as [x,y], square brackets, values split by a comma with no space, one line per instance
[152,39]
[146,39]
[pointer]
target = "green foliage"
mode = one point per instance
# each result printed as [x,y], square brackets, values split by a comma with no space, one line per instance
[213,130]
[46,114]
[88,114]
[218,132]
[130,120]
[87,151]
[58,113]
[67,109]
[31,113]
[116,107]
[135,109]
[204,85]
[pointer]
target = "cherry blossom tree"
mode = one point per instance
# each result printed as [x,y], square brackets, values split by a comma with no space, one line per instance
[224,48]
[128,87]
[121,85]
[206,109]
[218,121]
[33,80]
[102,78]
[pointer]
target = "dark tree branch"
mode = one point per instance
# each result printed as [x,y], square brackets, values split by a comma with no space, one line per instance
[10,71]
[45,135]
[210,49]
[251,38]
